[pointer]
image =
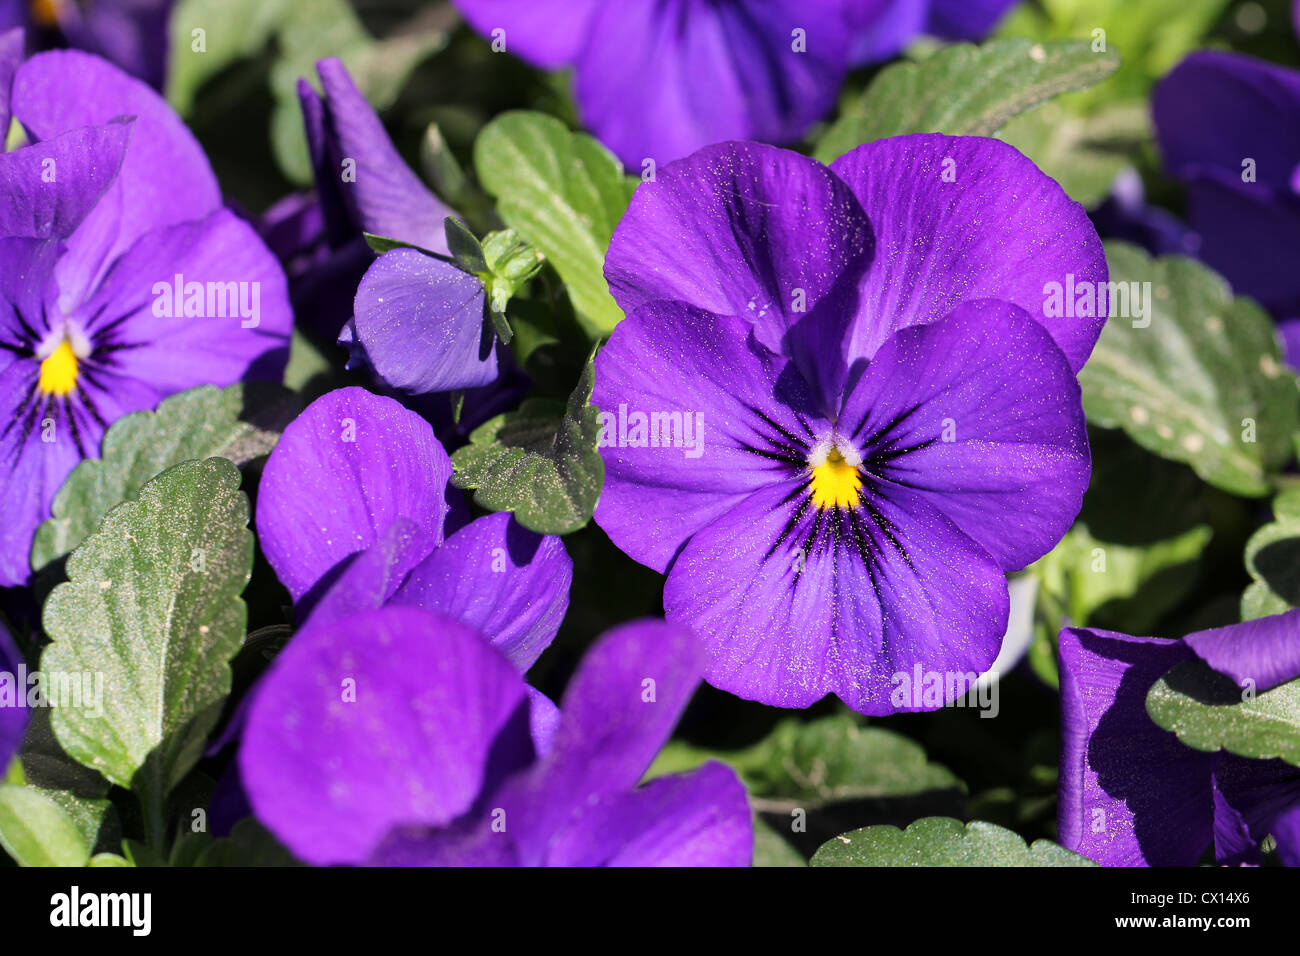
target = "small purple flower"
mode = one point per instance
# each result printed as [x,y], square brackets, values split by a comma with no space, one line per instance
[122,278]
[352,514]
[883,415]
[399,737]
[1131,794]
[131,34]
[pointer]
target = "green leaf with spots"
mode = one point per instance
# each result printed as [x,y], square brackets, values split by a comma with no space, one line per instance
[965,90]
[1198,378]
[36,831]
[152,604]
[238,423]
[942,841]
[564,193]
[1208,711]
[540,462]
[1273,560]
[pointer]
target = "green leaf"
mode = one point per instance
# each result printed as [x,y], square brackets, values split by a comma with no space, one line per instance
[238,423]
[941,841]
[79,791]
[464,246]
[249,844]
[540,462]
[964,90]
[232,30]
[152,603]
[771,849]
[564,193]
[1208,711]
[1203,384]
[1273,560]
[36,831]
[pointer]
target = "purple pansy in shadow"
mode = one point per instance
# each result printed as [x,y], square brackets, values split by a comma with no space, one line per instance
[400,737]
[131,34]
[352,514]
[658,79]
[885,27]
[1125,214]
[13,712]
[838,411]
[122,278]
[1131,794]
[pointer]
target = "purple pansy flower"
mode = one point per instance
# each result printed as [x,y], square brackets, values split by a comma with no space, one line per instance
[131,34]
[1229,127]
[1131,794]
[875,415]
[400,737]
[352,513]
[123,280]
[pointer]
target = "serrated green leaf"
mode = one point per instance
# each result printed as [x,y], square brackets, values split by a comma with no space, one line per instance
[152,604]
[1208,711]
[1203,383]
[964,90]
[564,193]
[238,423]
[540,462]
[942,841]
[1273,560]
[36,831]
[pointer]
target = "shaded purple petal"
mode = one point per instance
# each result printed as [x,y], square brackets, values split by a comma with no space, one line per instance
[794,602]
[509,584]
[1253,798]
[11,54]
[750,230]
[130,33]
[364,723]
[617,712]
[13,719]
[84,164]
[329,188]
[884,27]
[1126,215]
[1131,794]
[1288,332]
[386,198]
[543,721]
[1261,653]
[343,471]
[752,422]
[701,818]
[959,218]
[367,580]
[981,413]
[548,33]
[970,20]
[419,323]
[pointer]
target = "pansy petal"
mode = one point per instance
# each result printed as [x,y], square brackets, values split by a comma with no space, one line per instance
[965,217]
[364,723]
[701,818]
[343,471]
[618,711]
[367,580]
[509,584]
[387,199]
[882,28]
[742,229]
[48,188]
[751,421]
[981,413]
[1131,794]
[13,720]
[969,20]
[794,602]
[11,54]
[329,188]
[548,33]
[1252,798]
[419,323]
[130,33]
[1261,653]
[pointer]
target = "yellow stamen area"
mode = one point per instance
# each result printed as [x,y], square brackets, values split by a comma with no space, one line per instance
[835,483]
[46,12]
[59,370]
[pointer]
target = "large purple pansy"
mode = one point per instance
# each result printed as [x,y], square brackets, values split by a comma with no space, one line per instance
[838,410]
[122,280]
[399,737]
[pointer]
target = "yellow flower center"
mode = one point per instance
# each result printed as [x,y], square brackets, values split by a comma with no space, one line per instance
[59,370]
[835,482]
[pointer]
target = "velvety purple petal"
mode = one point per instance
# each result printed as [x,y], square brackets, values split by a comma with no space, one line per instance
[165,178]
[11,54]
[1262,653]
[367,580]
[1253,798]
[960,218]
[701,818]
[755,231]
[1286,833]
[884,27]
[343,471]
[364,723]
[752,422]
[419,323]
[1131,794]
[232,321]
[328,178]
[659,81]
[48,188]
[387,199]
[1217,109]
[13,720]
[617,712]
[981,413]
[548,33]
[794,603]
[970,20]
[129,33]
[509,584]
